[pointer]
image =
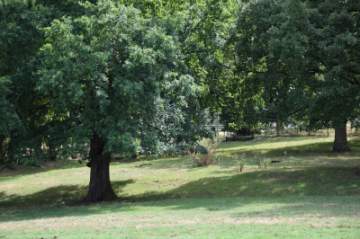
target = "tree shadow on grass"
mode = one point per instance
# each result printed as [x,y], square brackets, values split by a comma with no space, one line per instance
[289,187]
[321,181]
[55,197]
[20,171]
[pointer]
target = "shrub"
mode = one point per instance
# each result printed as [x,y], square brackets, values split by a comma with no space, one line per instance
[203,156]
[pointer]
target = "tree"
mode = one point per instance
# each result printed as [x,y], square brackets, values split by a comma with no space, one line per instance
[21,37]
[19,41]
[8,119]
[300,60]
[270,43]
[120,80]
[335,44]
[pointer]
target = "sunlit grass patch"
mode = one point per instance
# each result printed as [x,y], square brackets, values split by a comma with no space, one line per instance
[301,187]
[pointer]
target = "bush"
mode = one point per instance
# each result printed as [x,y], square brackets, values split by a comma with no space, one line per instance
[203,156]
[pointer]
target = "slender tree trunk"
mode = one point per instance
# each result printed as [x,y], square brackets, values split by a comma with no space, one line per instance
[2,150]
[51,152]
[99,187]
[341,143]
[10,151]
[6,154]
[279,128]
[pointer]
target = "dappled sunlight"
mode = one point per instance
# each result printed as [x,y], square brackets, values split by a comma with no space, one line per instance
[306,186]
[294,173]
[188,119]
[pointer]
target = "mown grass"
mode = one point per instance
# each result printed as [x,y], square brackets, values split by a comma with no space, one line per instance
[289,188]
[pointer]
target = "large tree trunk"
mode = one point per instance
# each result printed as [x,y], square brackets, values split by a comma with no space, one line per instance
[341,143]
[99,187]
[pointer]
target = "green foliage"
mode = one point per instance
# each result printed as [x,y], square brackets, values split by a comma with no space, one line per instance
[295,62]
[117,73]
[8,117]
[270,45]
[20,39]
[335,47]
[142,73]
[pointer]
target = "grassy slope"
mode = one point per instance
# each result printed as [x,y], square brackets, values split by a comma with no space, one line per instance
[311,193]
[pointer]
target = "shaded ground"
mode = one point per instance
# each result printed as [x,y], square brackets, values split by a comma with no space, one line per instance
[308,193]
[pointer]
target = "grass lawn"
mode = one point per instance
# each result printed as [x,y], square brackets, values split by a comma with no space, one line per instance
[289,188]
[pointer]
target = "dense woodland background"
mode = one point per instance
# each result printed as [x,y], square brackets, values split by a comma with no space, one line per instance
[91,79]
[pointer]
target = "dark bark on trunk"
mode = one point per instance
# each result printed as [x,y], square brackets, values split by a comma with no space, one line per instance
[5,163]
[341,143]
[2,150]
[99,187]
[279,127]
[52,155]
[10,151]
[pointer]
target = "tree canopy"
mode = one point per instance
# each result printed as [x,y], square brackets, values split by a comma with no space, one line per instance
[120,79]
[93,79]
